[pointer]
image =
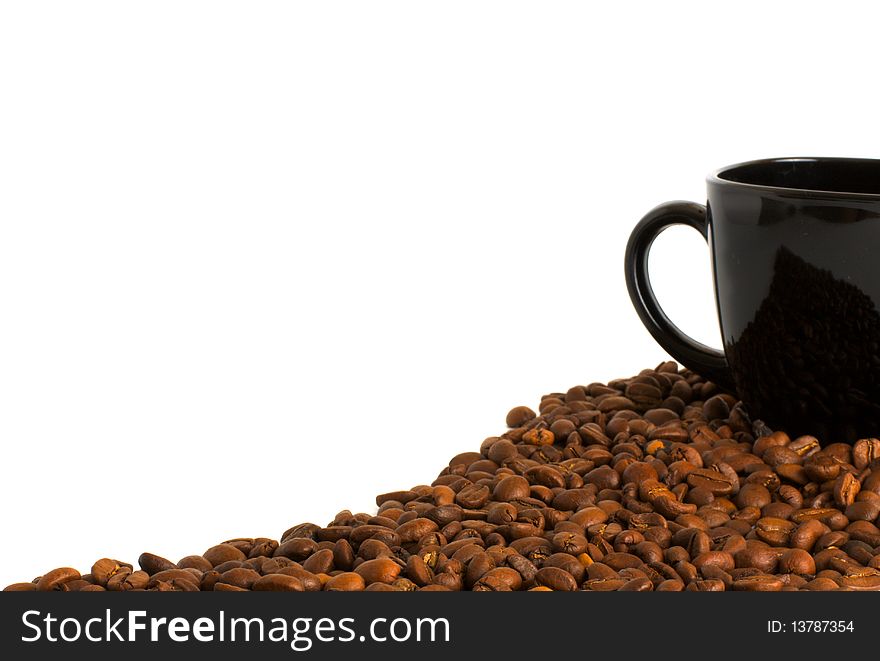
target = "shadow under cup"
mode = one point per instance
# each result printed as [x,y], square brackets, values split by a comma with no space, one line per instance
[795,247]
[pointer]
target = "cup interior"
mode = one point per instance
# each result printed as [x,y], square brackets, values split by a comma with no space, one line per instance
[829,175]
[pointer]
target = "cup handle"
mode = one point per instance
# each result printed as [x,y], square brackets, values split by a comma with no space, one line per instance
[706,361]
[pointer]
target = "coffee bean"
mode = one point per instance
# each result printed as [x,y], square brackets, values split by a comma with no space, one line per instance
[846,487]
[277,583]
[320,562]
[539,437]
[556,579]
[380,570]
[125,580]
[240,577]
[757,555]
[796,561]
[55,579]
[603,585]
[710,480]
[637,585]
[500,579]
[511,488]
[774,531]
[418,571]
[221,553]
[753,495]
[412,531]
[473,496]
[862,511]
[191,561]
[104,569]
[805,446]
[345,582]
[612,403]
[865,451]
[720,559]
[821,585]
[789,495]
[861,582]
[716,407]
[343,555]
[519,415]
[708,585]
[310,582]
[758,583]
[401,497]
[152,564]
[670,585]
[807,534]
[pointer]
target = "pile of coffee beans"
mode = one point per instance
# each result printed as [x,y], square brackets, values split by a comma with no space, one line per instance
[657,482]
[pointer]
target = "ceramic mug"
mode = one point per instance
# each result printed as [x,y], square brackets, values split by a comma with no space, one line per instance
[795,252]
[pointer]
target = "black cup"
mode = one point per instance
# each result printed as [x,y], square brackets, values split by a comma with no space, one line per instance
[795,250]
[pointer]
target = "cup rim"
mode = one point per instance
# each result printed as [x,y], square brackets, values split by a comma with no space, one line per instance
[715,177]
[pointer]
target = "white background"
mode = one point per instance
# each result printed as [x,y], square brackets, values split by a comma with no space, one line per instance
[260,261]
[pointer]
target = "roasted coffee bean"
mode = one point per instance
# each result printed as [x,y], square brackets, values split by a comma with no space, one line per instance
[310,582]
[277,583]
[716,407]
[500,579]
[478,566]
[473,496]
[753,495]
[418,571]
[571,543]
[181,585]
[221,553]
[538,436]
[637,585]
[807,534]
[796,561]
[599,570]
[224,566]
[865,451]
[708,585]
[320,562]
[822,467]
[670,585]
[519,415]
[759,556]
[55,579]
[380,570]
[862,511]
[774,531]
[861,581]
[153,564]
[343,555]
[103,570]
[191,562]
[805,446]
[240,577]
[721,559]
[123,581]
[556,579]
[758,583]
[345,582]
[846,488]
[510,488]
[300,530]
[413,530]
